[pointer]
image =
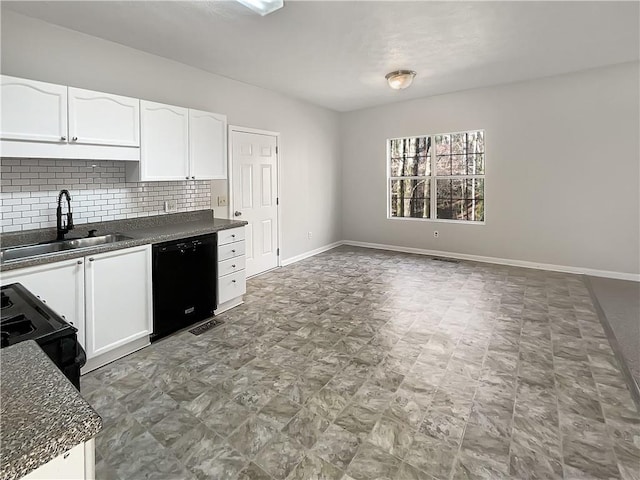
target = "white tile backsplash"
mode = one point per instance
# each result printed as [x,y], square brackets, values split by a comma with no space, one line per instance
[29,192]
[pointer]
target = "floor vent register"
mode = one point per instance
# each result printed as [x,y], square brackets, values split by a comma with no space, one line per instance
[206,326]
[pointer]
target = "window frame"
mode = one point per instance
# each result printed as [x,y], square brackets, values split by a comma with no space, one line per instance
[433,209]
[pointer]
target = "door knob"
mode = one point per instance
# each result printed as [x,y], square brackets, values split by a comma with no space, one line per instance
[237,213]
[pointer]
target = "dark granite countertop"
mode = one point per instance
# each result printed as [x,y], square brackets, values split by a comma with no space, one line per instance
[42,415]
[142,231]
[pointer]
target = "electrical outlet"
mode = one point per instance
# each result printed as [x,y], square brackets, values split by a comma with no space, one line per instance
[309,235]
[222,200]
[435,233]
[170,206]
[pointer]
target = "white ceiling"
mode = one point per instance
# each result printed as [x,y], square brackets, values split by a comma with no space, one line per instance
[336,54]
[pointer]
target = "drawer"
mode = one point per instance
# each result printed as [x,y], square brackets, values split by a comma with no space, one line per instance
[230,250]
[230,266]
[231,235]
[231,286]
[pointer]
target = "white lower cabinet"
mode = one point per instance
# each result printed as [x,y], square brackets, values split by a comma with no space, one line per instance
[75,464]
[118,299]
[107,297]
[232,279]
[60,285]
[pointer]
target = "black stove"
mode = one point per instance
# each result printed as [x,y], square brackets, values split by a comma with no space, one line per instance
[25,317]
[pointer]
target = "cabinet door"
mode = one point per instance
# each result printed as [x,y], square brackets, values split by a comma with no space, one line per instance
[33,111]
[60,285]
[164,142]
[97,118]
[207,145]
[118,298]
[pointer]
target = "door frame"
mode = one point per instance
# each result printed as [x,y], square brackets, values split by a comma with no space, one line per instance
[231,209]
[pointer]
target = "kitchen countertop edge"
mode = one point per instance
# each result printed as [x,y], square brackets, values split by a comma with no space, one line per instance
[66,429]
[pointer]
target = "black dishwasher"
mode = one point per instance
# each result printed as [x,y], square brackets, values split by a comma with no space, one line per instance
[184,283]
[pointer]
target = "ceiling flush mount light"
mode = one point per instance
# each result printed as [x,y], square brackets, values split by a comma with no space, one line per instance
[400,79]
[263,7]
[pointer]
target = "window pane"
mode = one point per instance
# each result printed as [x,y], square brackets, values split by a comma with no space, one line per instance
[443,144]
[443,165]
[475,164]
[410,198]
[460,164]
[461,188]
[471,210]
[475,142]
[410,156]
[458,143]
[460,199]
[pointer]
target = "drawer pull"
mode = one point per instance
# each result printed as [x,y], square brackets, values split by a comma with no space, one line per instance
[233,251]
[233,281]
[79,262]
[233,266]
[233,235]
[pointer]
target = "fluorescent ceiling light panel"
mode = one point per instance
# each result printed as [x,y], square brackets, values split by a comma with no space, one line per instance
[263,7]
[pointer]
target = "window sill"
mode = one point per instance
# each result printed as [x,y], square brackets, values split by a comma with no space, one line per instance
[438,220]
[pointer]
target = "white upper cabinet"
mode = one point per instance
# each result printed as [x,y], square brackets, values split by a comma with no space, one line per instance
[33,111]
[43,120]
[160,142]
[207,145]
[164,143]
[97,118]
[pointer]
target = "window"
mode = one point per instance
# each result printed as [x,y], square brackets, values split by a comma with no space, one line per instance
[437,177]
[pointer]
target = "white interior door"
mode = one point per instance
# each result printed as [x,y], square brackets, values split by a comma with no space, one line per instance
[254,197]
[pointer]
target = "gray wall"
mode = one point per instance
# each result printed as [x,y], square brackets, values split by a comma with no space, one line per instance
[310,142]
[563,170]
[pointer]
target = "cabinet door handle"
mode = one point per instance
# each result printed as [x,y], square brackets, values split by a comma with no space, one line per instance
[74,139]
[233,235]
[233,251]
[233,281]
[91,259]
[193,178]
[63,138]
[233,266]
[187,178]
[66,455]
[79,262]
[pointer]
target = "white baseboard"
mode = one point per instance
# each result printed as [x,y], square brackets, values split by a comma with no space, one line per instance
[310,253]
[633,277]
[500,261]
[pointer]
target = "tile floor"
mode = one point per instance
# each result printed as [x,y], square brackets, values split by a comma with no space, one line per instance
[362,364]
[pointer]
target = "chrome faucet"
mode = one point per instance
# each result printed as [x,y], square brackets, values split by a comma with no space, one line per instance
[69,223]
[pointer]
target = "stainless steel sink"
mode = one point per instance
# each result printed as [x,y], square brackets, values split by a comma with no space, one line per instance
[27,251]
